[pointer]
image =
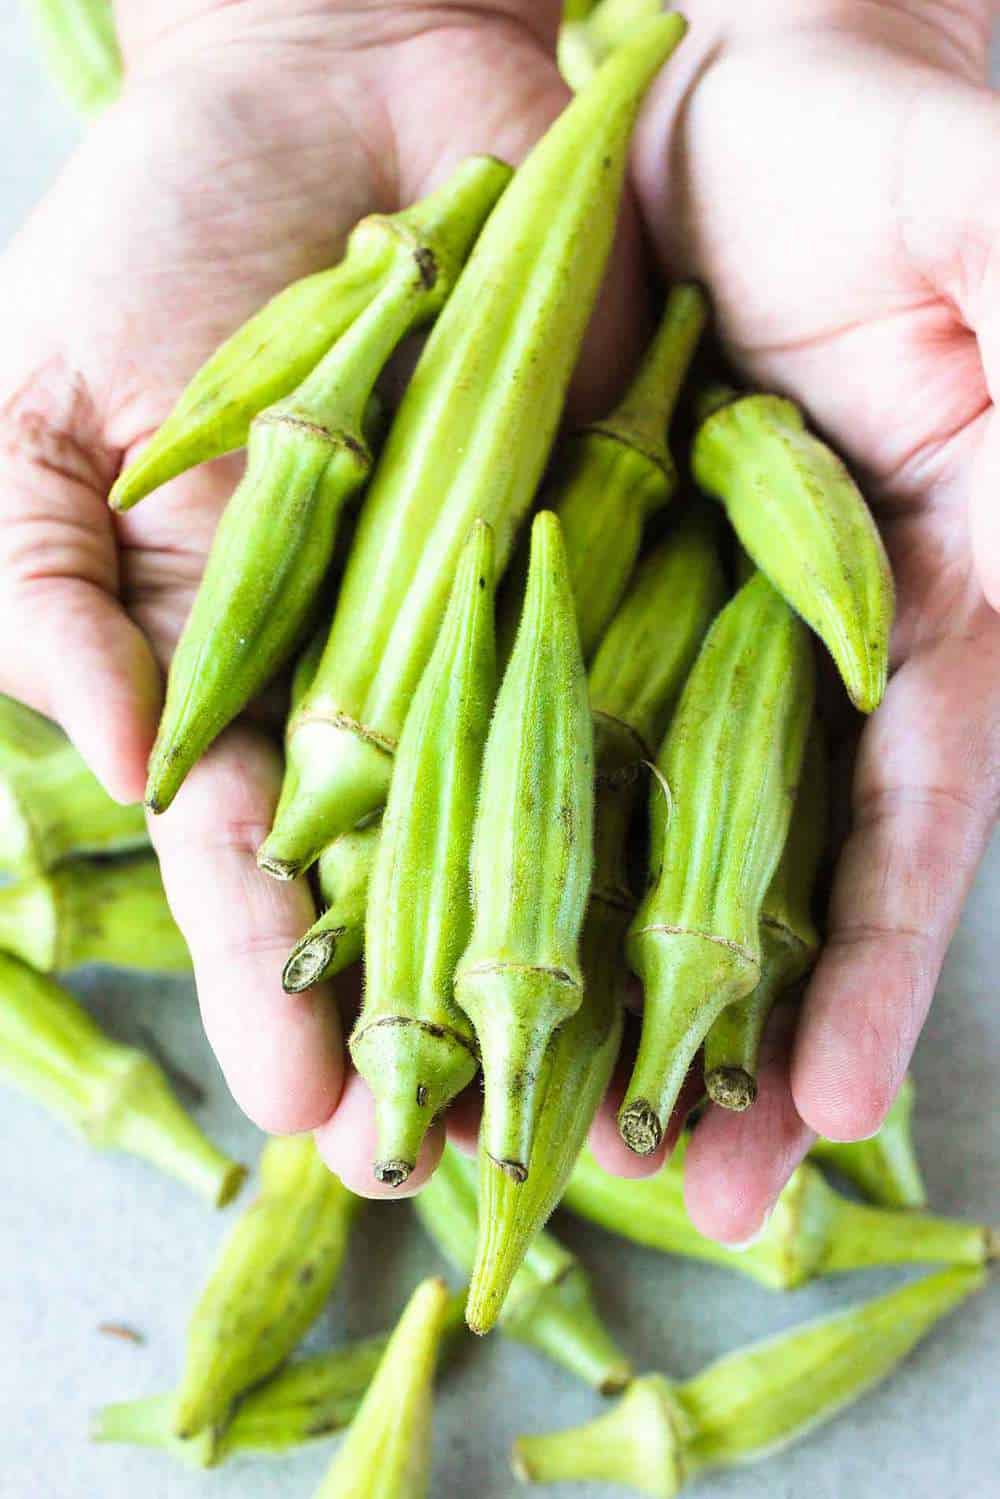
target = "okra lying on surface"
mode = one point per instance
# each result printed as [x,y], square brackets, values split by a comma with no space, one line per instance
[337,938]
[885,1168]
[470,441]
[662,1435]
[113,1095]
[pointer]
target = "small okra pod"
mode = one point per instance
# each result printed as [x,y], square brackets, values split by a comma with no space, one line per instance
[116,1097]
[470,441]
[80,48]
[93,911]
[804,522]
[269,356]
[337,938]
[532,857]
[751,1403]
[52,807]
[549,1307]
[730,762]
[813,1231]
[789,941]
[885,1168]
[387,1451]
[272,1277]
[412,1044]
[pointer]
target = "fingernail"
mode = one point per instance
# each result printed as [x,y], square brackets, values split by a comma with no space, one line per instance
[755,1238]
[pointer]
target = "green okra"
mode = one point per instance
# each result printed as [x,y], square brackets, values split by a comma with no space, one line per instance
[549,1306]
[113,1095]
[470,441]
[885,1168]
[813,1230]
[804,522]
[387,1451]
[266,359]
[412,1044]
[52,806]
[729,764]
[588,35]
[93,911]
[271,1279]
[80,48]
[532,857]
[749,1404]
[789,941]
[337,938]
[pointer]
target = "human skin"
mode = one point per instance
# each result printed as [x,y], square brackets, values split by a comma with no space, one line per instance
[824,167]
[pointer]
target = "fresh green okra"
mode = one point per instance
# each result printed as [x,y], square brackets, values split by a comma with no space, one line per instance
[387,1451]
[549,1306]
[80,47]
[307,457]
[532,857]
[412,1044]
[337,938]
[654,638]
[270,355]
[730,764]
[113,1095]
[789,941]
[271,1279]
[93,911]
[804,522]
[613,475]
[746,1406]
[812,1232]
[470,441]
[51,806]
[885,1168]
[589,35]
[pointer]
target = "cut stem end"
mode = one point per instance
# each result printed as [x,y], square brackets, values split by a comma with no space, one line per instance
[640,1128]
[731,1088]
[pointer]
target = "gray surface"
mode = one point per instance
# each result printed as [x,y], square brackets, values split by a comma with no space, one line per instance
[86,1239]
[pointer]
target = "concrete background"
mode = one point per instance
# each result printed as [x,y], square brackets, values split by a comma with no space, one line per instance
[86,1239]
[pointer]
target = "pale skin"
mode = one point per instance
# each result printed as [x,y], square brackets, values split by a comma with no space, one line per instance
[827,168]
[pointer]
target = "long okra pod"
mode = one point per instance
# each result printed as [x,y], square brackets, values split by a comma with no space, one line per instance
[749,1404]
[804,522]
[412,1044]
[337,938]
[80,47]
[731,761]
[532,857]
[885,1167]
[113,1095]
[271,1279]
[470,441]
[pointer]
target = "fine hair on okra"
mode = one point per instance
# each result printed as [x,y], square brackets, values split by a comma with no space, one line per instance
[470,441]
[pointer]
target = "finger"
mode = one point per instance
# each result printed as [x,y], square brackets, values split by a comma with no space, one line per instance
[925,800]
[737,1164]
[606,1143]
[282,1054]
[348,1144]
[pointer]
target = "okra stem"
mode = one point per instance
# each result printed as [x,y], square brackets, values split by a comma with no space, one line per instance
[337,938]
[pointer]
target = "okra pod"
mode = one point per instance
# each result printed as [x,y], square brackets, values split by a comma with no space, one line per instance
[113,1095]
[93,911]
[730,764]
[804,522]
[532,857]
[470,441]
[272,1277]
[812,1232]
[80,48]
[337,938]
[51,805]
[663,1435]
[412,1044]
[885,1168]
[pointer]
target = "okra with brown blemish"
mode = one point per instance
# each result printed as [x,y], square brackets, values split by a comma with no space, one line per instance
[337,938]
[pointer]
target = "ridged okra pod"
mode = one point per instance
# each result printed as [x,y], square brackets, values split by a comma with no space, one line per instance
[588,38]
[789,941]
[813,1230]
[750,1404]
[387,1451]
[654,638]
[804,522]
[549,1306]
[412,1044]
[93,911]
[337,938]
[885,1168]
[271,1279]
[611,476]
[114,1096]
[730,763]
[470,441]
[270,355]
[80,47]
[51,805]
[532,857]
